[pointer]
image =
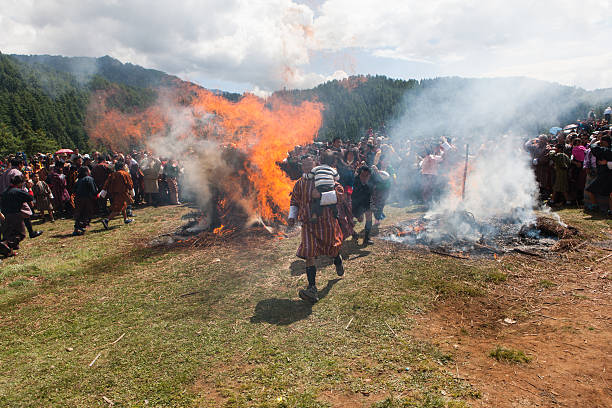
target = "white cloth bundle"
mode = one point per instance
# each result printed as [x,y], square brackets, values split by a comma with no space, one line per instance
[329,198]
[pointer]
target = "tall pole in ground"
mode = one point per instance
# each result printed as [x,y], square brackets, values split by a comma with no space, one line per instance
[467,149]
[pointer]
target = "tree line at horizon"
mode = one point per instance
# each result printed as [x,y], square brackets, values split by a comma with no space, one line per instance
[44,100]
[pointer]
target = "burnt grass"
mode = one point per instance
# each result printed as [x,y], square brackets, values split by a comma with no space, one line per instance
[223,326]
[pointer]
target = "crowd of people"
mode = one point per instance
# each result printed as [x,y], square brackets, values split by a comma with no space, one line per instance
[573,166]
[71,185]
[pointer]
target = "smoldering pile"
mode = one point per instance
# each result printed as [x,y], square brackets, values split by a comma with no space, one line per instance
[459,234]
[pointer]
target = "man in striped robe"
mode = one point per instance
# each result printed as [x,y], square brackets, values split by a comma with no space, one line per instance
[323,237]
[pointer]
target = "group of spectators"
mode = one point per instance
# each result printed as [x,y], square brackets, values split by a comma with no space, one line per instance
[573,166]
[79,186]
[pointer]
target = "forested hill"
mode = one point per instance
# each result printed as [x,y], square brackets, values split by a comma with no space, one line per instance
[44,101]
[44,98]
[451,105]
[84,69]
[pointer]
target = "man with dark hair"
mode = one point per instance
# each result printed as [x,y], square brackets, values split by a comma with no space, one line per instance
[337,144]
[119,186]
[100,173]
[5,183]
[325,177]
[561,163]
[321,238]
[13,229]
[85,192]
[362,200]
[151,167]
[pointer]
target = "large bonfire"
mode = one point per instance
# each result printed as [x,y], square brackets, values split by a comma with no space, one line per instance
[235,146]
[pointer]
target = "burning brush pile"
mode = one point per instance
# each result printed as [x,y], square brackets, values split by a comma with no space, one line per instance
[484,211]
[229,209]
[459,234]
[231,153]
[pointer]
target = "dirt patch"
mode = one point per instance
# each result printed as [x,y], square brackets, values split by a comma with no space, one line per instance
[558,313]
[210,390]
[352,400]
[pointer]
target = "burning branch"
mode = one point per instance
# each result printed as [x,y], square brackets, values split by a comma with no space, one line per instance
[467,148]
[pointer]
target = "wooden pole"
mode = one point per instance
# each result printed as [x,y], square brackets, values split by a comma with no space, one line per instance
[467,149]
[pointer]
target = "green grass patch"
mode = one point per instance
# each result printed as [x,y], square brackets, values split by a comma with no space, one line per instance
[508,355]
[496,277]
[546,284]
[221,326]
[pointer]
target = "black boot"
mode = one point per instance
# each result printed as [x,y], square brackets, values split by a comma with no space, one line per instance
[310,294]
[366,238]
[31,232]
[339,265]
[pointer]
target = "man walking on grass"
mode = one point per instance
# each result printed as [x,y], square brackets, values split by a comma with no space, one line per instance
[321,237]
[119,187]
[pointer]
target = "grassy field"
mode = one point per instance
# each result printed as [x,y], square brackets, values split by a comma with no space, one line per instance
[104,319]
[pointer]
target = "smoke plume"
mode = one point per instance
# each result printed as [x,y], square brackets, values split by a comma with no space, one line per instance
[490,116]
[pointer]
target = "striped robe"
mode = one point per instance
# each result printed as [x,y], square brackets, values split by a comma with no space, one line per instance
[323,237]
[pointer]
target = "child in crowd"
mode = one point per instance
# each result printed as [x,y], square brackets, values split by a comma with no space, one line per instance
[43,197]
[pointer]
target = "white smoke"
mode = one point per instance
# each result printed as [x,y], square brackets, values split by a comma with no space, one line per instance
[201,159]
[490,116]
[499,182]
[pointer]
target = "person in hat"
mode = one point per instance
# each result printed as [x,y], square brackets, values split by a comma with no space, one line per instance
[17,165]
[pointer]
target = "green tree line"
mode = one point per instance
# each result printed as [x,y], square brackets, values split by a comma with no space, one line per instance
[44,99]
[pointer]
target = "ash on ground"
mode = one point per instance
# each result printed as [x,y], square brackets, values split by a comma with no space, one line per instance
[198,232]
[461,235]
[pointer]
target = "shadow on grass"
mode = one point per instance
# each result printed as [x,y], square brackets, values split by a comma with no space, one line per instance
[99,230]
[596,216]
[283,312]
[92,231]
[116,264]
[349,247]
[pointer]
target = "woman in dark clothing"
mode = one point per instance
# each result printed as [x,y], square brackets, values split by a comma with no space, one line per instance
[57,181]
[85,192]
[13,229]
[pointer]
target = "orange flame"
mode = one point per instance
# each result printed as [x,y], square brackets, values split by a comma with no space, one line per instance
[218,230]
[455,178]
[118,130]
[353,82]
[264,130]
